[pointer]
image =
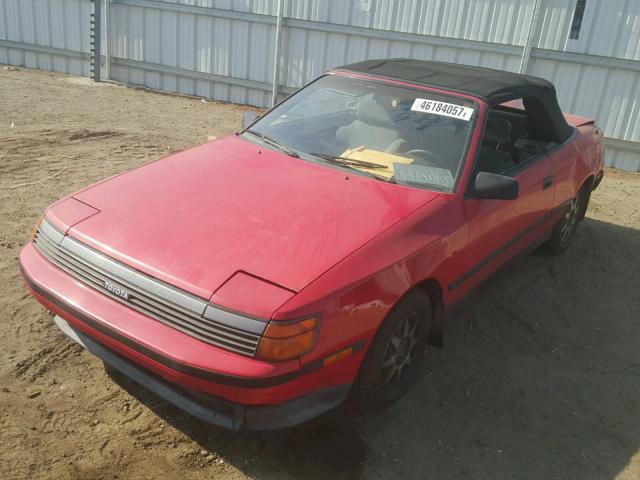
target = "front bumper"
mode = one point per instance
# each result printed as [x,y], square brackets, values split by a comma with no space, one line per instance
[181,361]
[211,409]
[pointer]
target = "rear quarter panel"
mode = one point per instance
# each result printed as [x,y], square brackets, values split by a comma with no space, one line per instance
[576,160]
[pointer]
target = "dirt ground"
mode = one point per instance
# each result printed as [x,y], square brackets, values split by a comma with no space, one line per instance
[540,377]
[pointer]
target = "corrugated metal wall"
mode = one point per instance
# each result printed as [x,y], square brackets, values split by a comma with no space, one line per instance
[236,53]
[224,49]
[46,34]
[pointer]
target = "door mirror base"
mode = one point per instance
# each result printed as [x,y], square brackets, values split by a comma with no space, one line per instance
[495,186]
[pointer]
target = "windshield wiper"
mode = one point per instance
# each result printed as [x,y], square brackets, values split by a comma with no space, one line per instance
[354,164]
[350,162]
[274,143]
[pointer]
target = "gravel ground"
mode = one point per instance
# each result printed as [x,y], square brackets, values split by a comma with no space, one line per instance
[540,377]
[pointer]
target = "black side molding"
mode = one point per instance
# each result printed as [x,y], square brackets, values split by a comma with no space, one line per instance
[505,246]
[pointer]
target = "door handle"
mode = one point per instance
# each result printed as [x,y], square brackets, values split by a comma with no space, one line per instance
[547,182]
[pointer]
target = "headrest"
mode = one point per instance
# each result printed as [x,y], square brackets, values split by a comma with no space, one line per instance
[498,130]
[371,112]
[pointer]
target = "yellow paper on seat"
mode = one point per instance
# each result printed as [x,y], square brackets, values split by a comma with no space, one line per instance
[375,156]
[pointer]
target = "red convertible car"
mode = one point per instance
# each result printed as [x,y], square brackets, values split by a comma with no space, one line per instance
[258,280]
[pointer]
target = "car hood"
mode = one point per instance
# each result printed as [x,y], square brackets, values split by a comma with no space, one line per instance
[195,218]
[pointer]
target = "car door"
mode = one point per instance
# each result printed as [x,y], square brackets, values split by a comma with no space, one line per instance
[499,229]
[564,159]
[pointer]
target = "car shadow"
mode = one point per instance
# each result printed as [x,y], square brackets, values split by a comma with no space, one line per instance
[326,447]
[538,379]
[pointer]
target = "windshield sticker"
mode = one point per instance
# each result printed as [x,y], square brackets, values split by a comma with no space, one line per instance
[442,108]
[423,174]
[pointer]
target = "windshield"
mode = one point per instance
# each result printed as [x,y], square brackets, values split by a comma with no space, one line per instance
[395,134]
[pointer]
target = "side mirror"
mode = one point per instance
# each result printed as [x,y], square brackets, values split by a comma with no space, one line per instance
[248,118]
[495,186]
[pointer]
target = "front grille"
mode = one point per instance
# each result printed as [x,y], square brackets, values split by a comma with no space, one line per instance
[184,314]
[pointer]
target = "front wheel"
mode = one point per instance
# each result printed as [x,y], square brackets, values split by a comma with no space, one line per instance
[393,361]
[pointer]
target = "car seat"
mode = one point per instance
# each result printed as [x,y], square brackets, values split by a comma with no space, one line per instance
[372,128]
[497,134]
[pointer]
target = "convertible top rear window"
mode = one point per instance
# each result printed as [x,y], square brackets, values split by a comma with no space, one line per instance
[398,134]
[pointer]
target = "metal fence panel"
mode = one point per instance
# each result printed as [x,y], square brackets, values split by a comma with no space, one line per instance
[610,28]
[56,30]
[608,95]
[192,53]
[495,21]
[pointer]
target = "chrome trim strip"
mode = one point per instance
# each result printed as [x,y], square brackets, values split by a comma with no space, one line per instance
[238,321]
[52,233]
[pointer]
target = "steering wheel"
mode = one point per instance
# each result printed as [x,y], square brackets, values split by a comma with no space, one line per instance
[422,154]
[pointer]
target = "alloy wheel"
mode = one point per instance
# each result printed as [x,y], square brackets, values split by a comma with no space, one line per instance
[400,350]
[570,219]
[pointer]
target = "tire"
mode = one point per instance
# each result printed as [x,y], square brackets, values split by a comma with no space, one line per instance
[564,231]
[585,200]
[392,363]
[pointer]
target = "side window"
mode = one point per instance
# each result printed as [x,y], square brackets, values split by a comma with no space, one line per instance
[515,132]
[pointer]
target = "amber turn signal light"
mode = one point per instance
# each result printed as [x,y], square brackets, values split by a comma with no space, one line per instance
[284,341]
[35,228]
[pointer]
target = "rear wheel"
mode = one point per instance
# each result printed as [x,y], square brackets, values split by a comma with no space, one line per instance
[393,361]
[564,231]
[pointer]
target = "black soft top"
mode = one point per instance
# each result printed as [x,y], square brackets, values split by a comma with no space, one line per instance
[493,86]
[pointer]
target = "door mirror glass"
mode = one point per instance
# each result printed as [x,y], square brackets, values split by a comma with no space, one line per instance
[495,186]
[248,118]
